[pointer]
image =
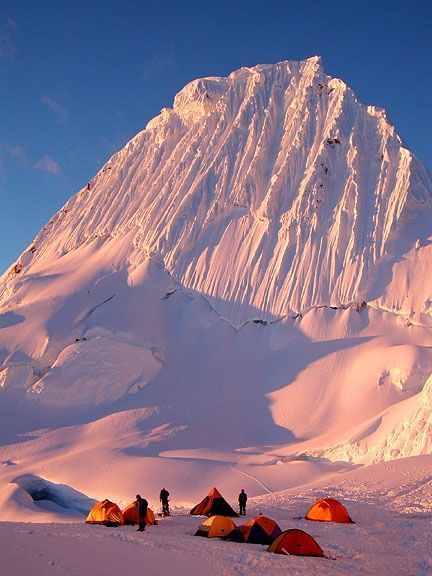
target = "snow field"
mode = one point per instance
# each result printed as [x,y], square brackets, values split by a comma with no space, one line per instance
[391,506]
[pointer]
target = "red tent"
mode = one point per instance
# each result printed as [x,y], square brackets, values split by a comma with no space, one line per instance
[295,542]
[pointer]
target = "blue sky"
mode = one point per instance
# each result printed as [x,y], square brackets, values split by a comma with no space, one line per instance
[79,78]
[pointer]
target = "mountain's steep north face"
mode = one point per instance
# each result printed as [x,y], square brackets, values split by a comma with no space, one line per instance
[269,191]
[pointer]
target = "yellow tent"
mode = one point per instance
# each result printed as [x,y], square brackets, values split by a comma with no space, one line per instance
[216,527]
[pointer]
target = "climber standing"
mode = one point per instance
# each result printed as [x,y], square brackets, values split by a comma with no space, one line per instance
[142,505]
[164,498]
[242,499]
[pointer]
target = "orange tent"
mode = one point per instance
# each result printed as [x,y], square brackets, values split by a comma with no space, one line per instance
[106,513]
[295,542]
[214,504]
[259,530]
[130,515]
[328,510]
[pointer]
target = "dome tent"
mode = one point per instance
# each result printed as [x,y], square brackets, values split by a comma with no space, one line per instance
[215,526]
[259,530]
[130,515]
[297,543]
[328,510]
[105,512]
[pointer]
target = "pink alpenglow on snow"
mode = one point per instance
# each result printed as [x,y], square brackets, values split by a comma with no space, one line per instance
[240,299]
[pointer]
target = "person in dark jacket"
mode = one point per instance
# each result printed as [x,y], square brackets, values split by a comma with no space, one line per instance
[242,499]
[163,497]
[142,505]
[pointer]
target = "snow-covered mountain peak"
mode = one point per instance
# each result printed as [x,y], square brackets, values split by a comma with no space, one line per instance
[268,170]
[199,97]
[306,196]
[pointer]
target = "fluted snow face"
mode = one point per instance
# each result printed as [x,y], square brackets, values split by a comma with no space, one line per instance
[269,191]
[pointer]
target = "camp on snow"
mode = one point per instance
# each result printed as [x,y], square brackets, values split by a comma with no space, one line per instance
[214,504]
[297,543]
[216,527]
[259,530]
[328,510]
[130,515]
[105,512]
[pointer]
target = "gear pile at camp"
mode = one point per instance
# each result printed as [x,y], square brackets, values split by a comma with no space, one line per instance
[219,524]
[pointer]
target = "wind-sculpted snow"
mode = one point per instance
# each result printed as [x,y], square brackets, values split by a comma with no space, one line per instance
[273,189]
[396,433]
